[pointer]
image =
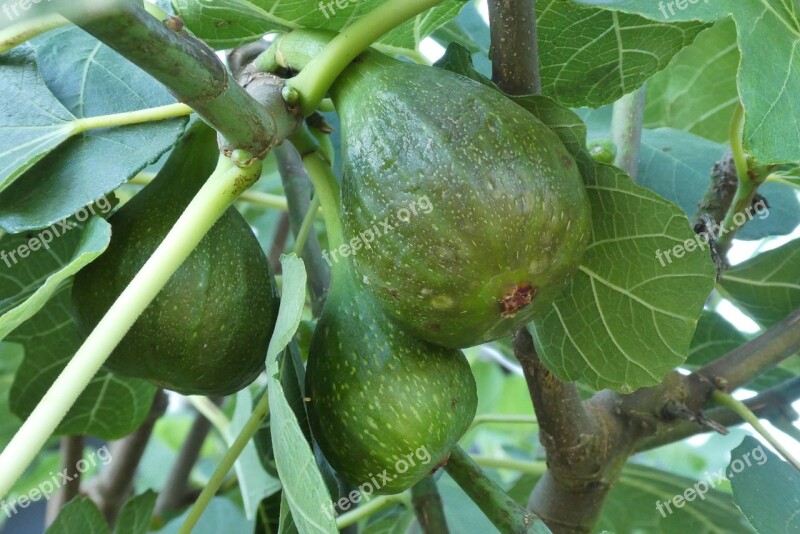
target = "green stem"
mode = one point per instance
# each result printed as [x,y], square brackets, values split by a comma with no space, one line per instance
[500,509]
[17,34]
[161,113]
[216,195]
[210,489]
[726,400]
[778,179]
[369,509]
[212,412]
[528,468]
[325,184]
[747,187]
[308,224]
[320,73]
[504,419]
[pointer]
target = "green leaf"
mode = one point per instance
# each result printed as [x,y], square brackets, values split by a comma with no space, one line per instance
[697,92]
[89,79]
[766,29]
[303,485]
[255,483]
[79,515]
[677,165]
[622,287]
[591,57]
[111,406]
[713,338]
[710,11]
[134,518]
[230,23]
[22,295]
[766,490]
[33,122]
[632,505]
[293,301]
[767,287]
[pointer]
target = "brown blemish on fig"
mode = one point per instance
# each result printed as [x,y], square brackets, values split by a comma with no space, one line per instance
[566,160]
[515,300]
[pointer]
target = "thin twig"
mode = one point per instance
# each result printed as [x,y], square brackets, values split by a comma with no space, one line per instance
[428,507]
[71,454]
[173,496]
[113,487]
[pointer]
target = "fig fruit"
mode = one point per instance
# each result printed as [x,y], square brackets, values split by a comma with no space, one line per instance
[385,408]
[506,216]
[207,331]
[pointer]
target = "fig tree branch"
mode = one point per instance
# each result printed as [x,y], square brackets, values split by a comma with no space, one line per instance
[173,496]
[428,507]
[514,47]
[756,356]
[773,404]
[191,71]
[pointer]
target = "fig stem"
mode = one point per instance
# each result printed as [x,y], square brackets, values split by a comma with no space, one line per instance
[160,113]
[305,228]
[317,77]
[22,32]
[325,184]
[741,409]
[747,186]
[226,464]
[218,193]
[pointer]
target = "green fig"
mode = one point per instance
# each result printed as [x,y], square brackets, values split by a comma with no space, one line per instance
[385,407]
[465,214]
[207,331]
